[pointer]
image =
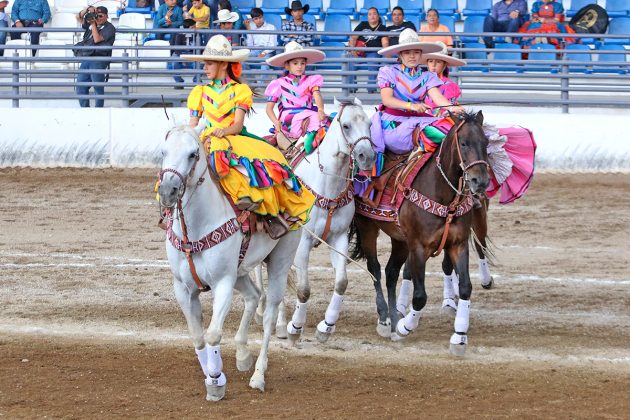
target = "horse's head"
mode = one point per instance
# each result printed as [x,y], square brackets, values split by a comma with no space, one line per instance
[181,150]
[354,125]
[472,146]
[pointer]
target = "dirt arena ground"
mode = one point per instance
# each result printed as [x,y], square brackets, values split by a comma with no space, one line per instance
[89,326]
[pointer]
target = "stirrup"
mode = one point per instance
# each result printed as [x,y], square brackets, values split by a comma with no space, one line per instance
[276,227]
[246,204]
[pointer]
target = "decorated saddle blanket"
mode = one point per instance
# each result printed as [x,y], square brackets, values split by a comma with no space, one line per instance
[294,149]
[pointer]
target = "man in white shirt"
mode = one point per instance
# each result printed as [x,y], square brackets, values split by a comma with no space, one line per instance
[263,45]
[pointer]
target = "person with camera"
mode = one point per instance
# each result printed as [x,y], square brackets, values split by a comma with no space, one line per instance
[29,14]
[98,32]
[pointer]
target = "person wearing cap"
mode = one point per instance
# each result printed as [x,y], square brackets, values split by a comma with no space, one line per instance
[98,32]
[255,174]
[297,24]
[4,23]
[168,16]
[225,20]
[29,14]
[439,63]
[295,93]
[403,87]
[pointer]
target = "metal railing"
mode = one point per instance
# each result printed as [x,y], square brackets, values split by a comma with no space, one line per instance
[136,79]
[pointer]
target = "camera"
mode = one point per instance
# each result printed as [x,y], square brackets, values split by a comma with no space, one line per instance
[89,17]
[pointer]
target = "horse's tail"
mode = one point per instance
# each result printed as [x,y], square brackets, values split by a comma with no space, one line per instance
[354,239]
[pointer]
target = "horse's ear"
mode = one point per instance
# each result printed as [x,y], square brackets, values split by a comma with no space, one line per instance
[200,126]
[479,118]
[357,101]
[336,102]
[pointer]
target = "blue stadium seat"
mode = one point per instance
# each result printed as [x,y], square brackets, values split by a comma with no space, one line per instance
[448,21]
[381,5]
[475,55]
[275,20]
[506,52]
[619,26]
[576,5]
[618,8]
[315,6]
[414,9]
[610,58]
[477,8]
[244,6]
[542,52]
[446,8]
[583,55]
[473,24]
[332,54]
[274,6]
[131,8]
[348,8]
[336,23]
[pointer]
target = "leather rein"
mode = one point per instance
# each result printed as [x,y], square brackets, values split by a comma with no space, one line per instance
[462,202]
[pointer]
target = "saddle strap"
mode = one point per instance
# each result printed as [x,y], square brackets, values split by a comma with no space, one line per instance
[343,199]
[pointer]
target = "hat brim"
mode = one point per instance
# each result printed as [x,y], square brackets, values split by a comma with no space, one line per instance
[237,56]
[425,47]
[312,56]
[450,61]
[305,8]
[233,18]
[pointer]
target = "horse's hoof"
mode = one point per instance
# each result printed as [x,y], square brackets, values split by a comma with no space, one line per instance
[215,387]
[489,285]
[322,337]
[384,329]
[243,364]
[257,382]
[281,331]
[458,350]
[396,337]
[294,339]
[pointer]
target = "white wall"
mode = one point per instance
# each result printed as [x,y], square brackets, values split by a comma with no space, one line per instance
[120,137]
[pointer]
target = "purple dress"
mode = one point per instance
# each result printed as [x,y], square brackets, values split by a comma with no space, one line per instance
[393,132]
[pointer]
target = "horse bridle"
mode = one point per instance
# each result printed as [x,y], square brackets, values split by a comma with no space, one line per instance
[463,180]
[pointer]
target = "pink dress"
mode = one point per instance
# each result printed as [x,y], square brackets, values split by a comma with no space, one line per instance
[449,89]
[294,96]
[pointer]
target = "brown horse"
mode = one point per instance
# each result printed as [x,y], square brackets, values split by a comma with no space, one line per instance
[456,170]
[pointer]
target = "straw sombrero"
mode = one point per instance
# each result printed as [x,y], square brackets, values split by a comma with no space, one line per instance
[294,50]
[219,48]
[408,40]
[442,55]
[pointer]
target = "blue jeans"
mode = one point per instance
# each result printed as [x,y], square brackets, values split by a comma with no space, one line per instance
[3,35]
[94,78]
[373,67]
[490,24]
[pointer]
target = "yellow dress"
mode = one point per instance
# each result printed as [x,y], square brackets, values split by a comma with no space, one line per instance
[246,166]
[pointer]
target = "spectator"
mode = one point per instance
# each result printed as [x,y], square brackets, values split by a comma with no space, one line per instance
[200,13]
[373,24]
[98,32]
[433,25]
[4,23]
[30,14]
[225,4]
[262,46]
[297,24]
[225,20]
[399,23]
[168,16]
[506,16]
[547,17]
[179,40]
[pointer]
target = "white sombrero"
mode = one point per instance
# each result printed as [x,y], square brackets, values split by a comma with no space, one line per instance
[219,48]
[294,50]
[443,55]
[224,15]
[408,40]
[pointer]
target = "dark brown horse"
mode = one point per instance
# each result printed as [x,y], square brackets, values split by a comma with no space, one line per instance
[456,170]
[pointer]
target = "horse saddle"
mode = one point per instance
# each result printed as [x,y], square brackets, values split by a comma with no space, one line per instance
[392,165]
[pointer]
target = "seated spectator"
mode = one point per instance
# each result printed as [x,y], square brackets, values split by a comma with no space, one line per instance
[262,46]
[200,13]
[225,4]
[183,39]
[168,16]
[4,23]
[506,16]
[433,25]
[399,23]
[225,20]
[366,39]
[547,17]
[30,14]
[297,23]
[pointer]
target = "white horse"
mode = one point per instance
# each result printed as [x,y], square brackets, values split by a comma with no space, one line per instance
[328,174]
[189,190]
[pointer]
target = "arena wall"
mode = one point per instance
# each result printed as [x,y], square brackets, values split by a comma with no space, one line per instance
[119,137]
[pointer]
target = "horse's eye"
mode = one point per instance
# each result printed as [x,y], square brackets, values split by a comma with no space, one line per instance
[192,155]
[346,126]
[464,144]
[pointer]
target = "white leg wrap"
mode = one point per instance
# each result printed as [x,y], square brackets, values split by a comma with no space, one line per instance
[458,339]
[484,271]
[215,364]
[332,313]
[449,293]
[455,283]
[462,316]
[409,322]
[298,320]
[219,380]
[403,296]
[202,355]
